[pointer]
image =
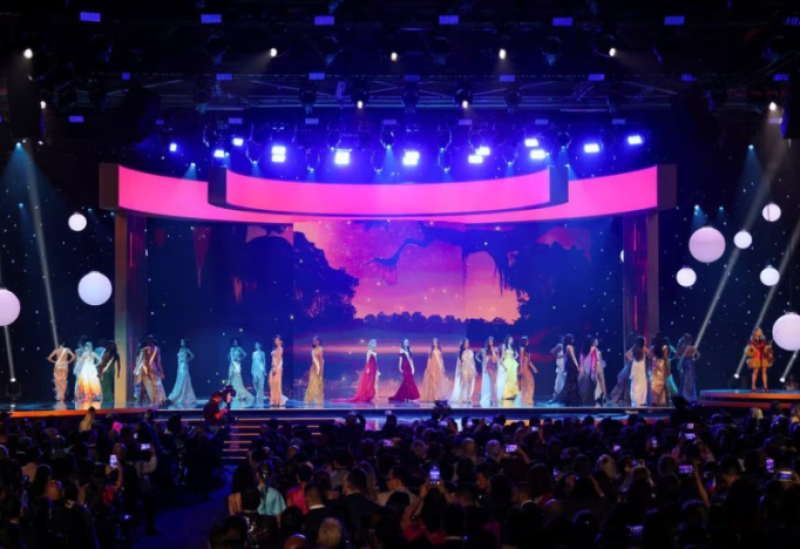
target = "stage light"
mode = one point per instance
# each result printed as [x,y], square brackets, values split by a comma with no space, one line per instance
[742,240]
[43,104]
[237,141]
[28,53]
[736,376]
[273,52]
[538,154]
[462,95]
[563,139]
[502,53]
[278,154]
[341,157]
[9,307]
[750,147]
[483,150]
[591,148]
[475,159]
[219,153]
[612,52]
[686,277]
[359,104]
[769,276]
[77,222]
[771,212]
[173,147]
[312,159]
[707,245]
[411,158]
[387,138]
[359,93]
[393,56]
[531,142]
[773,106]
[95,289]
[445,161]
[552,50]
[786,332]
[465,104]
[635,139]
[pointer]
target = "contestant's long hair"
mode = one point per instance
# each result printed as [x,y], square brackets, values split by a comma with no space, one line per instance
[463,348]
[406,348]
[568,339]
[506,340]
[659,342]
[186,344]
[235,342]
[318,342]
[638,348]
[111,349]
[587,345]
[486,344]
[523,344]
[279,338]
[435,343]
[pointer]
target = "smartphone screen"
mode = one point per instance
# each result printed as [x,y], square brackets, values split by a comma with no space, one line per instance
[616,448]
[690,426]
[511,448]
[112,462]
[654,442]
[689,436]
[686,469]
[145,446]
[770,466]
[436,475]
[785,475]
[636,531]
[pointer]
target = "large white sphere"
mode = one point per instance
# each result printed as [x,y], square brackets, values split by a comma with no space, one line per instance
[786,332]
[686,277]
[743,240]
[95,288]
[707,245]
[771,212]
[9,307]
[770,276]
[622,256]
[77,222]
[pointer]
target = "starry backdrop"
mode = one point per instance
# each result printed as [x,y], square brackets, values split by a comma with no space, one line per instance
[389,280]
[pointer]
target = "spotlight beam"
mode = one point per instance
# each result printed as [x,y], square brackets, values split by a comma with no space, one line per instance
[788,367]
[7,334]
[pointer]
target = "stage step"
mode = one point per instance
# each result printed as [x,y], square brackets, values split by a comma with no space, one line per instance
[245,430]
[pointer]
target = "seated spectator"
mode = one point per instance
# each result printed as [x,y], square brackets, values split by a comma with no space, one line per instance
[396,482]
[317,511]
[295,496]
[330,534]
[262,530]
[272,502]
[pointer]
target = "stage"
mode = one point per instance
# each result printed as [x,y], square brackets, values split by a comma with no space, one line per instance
[745,398]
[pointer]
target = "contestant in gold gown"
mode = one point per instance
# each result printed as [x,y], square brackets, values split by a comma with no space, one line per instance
[315,393]
[434,383]
[276,397]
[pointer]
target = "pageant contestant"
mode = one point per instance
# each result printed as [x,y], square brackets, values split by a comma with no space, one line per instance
[687,355]
[759,357]
[258,369]
[80,348]
[558,352]
[508,376]
[276,397]
[408,389]
[315,393]
[586,375]
[659,371]
[600,390]
[235,357]
[109,365]
[621,393]
[88,384]
[488,358]
[138,370]
[61,358]
[434,384]
[153,373]
[182,393]
[464,382]
[367,388]
[526,371]
[638,356]
[570,395]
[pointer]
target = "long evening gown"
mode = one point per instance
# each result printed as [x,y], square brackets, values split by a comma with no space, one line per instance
[183,393]
[621,393]
[464,382]
[138,378]
[367,387]
[108,366]
[315,393]
[527,382]
[434,383]
[60,373]
[600,389]
[89,389]
[258,369]
[408,389]
[639,383]
[488,377]
[689,385]
[570,395]
[560,373]
[243,396]
[585,381]
[276,397]
[658,380]
[508,382]
[152,376]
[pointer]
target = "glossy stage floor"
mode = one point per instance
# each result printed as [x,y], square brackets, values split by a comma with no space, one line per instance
[745,398]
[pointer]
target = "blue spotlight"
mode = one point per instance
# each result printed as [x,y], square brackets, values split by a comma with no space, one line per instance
[411,158]
[635,139]
[531,142]
[750,146]
[173,147]
[538,154]
[341,157]
[278,154]
[591,148]
[483,150]
[219,153]
[192,165]
[18,145]
[475,159]
[696,208]
[237,141]
[21,205]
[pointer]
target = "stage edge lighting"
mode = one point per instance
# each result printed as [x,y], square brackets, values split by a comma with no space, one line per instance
[531,142]
[591,148]
[475,159]
[341,157]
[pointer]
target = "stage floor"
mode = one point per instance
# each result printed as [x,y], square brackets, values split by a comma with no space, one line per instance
[745,398]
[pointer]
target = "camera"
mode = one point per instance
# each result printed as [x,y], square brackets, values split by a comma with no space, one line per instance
[228,393]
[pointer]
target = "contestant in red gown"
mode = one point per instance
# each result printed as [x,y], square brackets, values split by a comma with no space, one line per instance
[367,388]
[408,389]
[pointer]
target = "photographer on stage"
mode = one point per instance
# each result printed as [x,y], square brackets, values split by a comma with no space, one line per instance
[216,412]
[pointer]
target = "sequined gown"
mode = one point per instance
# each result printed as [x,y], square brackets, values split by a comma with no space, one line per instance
[464,382]
[60,373]
[408,389]
[570,395]
[658,379]
[434,383]
[489,368]
[276,397]
[89,389]
[152,376]
[258,369]
[315,393]
[508,383]
[527,382]
[183,393]
[243,396]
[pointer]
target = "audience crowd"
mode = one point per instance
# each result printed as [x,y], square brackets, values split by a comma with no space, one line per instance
[698,479]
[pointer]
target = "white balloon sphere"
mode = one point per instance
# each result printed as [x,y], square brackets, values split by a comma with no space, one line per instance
[94,288]
[622,256]
[77,222]
[770,276]
[786,332]
[771,212]
[9,307]
[707,245]
[743,240]
[686,277]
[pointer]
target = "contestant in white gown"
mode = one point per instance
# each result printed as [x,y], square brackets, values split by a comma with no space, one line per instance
[258,369]
[638,355]
[488,357]
[235,357]
[182,394]
[88,382]
[464,379]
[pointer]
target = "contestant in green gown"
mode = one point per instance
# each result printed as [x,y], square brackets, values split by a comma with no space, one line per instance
[108,368]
